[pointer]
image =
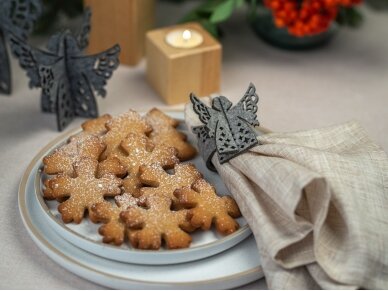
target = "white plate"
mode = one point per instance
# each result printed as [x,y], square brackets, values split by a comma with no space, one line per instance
[85,235]
[235,267]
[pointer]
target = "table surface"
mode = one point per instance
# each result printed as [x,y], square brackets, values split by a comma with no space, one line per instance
[346,80]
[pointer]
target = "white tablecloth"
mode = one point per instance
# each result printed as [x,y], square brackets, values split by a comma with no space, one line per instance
[346,80]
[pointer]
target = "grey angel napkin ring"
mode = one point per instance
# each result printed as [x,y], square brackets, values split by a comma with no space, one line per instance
[227,130]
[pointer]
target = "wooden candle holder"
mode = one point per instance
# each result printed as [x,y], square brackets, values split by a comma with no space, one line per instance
[121,21]
[176,72]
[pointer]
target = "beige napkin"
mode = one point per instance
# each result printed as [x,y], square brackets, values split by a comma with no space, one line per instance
[317,203]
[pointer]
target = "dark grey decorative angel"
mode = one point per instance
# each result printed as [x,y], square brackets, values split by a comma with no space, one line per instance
[230,129]
[67,77]
[16,17]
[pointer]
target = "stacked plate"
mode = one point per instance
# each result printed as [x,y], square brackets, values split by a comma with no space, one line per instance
[211,262]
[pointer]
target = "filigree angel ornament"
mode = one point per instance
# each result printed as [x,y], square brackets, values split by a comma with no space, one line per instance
[16,17]
[227,130]
[67,77]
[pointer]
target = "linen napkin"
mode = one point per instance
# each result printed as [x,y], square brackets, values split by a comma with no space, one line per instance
[317,204]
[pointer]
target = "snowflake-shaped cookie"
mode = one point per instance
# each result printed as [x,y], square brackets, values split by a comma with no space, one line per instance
[165,132]
[113,166]
[207,208]
[119,128]
[141,151]
[63,158]
[96,126]
[163,183]
[83,190]
[113,229]
[156,222]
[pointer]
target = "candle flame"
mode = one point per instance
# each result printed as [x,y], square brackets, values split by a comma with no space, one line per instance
[186,35]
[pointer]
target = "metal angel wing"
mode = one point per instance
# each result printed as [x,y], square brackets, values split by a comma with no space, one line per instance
[206,114]
[97,69]
[16,17]
[5,70]
[241,119]
[247,106]
[203,111]
[20,16]
[30,59]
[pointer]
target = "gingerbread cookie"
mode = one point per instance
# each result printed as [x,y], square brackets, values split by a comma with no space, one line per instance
[206,207]
[163,183]
[47,191]
[83,191]
[119,128]
[111,166]
[141,151]
[63,158]
[113,229]
[96,126]
[133,185]
[164,131]
[154,221]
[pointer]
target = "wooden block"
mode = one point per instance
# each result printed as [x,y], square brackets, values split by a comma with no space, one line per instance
[176,72]
[121,21]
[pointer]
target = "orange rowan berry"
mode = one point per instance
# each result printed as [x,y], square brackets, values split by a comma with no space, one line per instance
[306,18]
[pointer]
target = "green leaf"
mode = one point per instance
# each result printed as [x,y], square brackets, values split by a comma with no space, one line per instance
[210,5]
[356,18]
[349,16]
[175,1]
[223,11]
[252,7]
[210,27]
[239,3]
[203,11]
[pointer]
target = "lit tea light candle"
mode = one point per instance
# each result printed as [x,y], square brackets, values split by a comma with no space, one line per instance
[182,59]
[184,38]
